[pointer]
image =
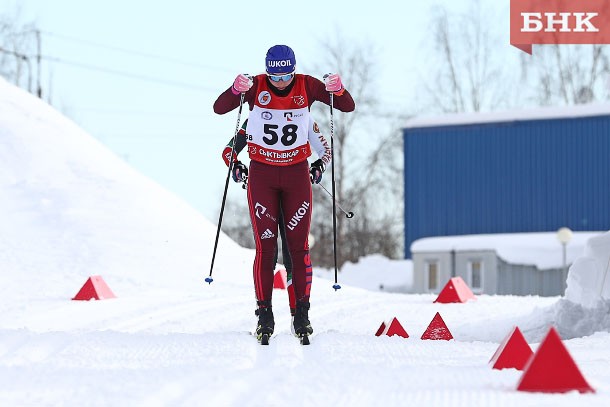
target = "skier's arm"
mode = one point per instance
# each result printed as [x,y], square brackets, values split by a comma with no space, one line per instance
[240,143]
[229,100]
[318,142]
[316,90]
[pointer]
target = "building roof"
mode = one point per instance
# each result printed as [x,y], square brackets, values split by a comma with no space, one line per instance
[542,113]
[541,249]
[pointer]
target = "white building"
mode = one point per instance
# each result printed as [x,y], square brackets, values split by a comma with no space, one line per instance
[517,263]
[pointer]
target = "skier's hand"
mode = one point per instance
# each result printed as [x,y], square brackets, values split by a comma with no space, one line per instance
[333,82]
[315,171]
[239,172]
[242,83]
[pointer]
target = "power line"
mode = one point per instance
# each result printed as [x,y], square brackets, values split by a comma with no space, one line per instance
[22,57]
[127,112]
[168,136]
[15,54]
[136,52]
[130,75]
[112,71]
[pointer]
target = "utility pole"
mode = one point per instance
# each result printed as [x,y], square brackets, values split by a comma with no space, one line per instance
[38,60]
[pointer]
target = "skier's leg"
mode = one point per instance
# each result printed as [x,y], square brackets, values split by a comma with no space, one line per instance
[296,210]
[263,202]
[287,263]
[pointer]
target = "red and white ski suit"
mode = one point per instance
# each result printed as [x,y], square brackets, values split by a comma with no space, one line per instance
[278,180]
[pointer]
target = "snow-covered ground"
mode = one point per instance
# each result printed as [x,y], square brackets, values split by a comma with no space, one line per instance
[71,209]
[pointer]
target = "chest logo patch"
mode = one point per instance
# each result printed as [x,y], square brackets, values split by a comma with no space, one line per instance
[264,98]
[299,100]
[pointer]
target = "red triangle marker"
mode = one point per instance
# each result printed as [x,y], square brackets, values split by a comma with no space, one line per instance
[395,328]
[552,370]
[279,279]
[381,329]
[391,329]
[456,290]
[437,330]
[95,288]
[513,352]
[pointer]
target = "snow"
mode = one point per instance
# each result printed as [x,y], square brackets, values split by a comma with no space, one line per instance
[374,272]
[70,209]
[541,249]
[540,113]
[588,282]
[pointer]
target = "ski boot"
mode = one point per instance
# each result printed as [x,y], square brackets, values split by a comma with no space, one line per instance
[266,323]
[292,312]
[301,324]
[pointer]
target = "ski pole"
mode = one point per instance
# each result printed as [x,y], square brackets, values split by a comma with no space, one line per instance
[336,286]
[209,279]
[349,214]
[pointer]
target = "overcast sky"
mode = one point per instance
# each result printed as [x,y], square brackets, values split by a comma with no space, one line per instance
[141,76]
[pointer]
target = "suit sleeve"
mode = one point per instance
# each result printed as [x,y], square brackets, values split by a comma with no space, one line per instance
[318,142]
[228,101]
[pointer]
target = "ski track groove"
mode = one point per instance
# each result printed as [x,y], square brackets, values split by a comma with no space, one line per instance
[198,366]
[18,348]
[164,314]
[141,319]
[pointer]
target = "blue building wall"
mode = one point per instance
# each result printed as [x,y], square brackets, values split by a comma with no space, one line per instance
[519,176]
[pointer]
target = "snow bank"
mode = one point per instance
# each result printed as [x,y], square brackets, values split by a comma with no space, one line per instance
[71,208]
[588,281]
[374,272]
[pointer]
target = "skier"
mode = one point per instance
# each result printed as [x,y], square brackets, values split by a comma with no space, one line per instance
[240,174]
[279,102]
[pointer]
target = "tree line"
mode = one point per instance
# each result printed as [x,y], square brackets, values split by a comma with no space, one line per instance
[467,70]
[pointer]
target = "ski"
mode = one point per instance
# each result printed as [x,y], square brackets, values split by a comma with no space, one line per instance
[304,339]
[263,339]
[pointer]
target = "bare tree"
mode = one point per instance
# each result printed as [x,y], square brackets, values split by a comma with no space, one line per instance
[362,159]
[567,74]
[17,45]
[465,72]
[468,72]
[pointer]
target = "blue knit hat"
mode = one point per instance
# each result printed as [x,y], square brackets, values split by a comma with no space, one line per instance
[280,59]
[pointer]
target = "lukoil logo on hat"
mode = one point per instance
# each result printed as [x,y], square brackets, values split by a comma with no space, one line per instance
[280,59]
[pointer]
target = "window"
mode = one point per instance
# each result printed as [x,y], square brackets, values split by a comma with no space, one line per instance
[432,277]
[475,275]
